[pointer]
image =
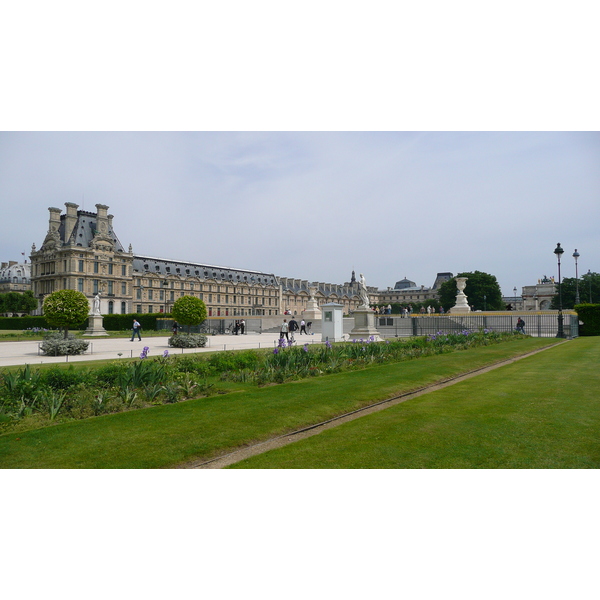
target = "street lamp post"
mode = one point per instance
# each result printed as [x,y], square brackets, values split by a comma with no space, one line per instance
[484,302]
[576,256]
[590,281]
[560,334]
[515,291]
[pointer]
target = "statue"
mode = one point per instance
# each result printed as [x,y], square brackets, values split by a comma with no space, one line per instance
[362,291]
[96,310]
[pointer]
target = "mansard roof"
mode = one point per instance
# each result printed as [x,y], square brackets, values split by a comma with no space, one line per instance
[85,229]
[165,266]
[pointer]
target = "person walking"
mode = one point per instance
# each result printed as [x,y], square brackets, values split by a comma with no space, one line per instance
[293,327]
[303,326]
[521,325]
[174,328]
[284,330]
[136,330]
[242,326]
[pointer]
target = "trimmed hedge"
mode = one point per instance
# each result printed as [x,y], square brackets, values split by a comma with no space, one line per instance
[590,315]
[21,323]
[111,322]
[125,322]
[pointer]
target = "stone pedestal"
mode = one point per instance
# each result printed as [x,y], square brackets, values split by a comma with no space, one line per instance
[95,327]
[312,312]
[462,306]
[364,325]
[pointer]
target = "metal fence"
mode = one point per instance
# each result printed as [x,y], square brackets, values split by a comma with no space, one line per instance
[214,326]
[539,324]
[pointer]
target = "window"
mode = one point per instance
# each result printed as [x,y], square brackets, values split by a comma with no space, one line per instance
[80,266]
[124,289]
[139,308]
[95,290]
[123,308]
[150,308]
[111,307]
[162,295]
[80,284]
[172,297]
[110,288]
[110,268]
[123,270]
[150,295]
[138,294]
[96,266]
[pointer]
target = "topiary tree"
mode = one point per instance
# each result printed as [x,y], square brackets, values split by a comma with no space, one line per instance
[66,308]
[189,310]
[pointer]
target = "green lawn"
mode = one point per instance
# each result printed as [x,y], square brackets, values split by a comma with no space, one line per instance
[167,435]
[541,412]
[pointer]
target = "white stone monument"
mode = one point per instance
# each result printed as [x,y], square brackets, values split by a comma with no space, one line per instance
[364,317]
[462,306]
[312,312]
[95,326]
[332,323]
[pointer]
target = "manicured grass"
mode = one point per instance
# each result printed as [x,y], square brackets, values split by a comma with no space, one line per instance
[541,412]
[168,435]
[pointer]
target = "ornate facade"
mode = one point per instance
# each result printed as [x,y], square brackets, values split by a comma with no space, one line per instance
[15,277]
[82,252]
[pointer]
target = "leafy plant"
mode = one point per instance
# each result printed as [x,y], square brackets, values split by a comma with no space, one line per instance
[66,308]
[188,340]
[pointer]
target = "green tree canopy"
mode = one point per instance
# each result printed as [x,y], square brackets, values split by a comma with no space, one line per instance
[17,302]
[189,310]
[479,284]
[66,308]
[569,289]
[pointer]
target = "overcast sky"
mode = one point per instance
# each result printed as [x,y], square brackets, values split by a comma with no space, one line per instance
[318,205]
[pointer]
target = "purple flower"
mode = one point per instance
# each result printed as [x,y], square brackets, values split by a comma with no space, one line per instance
[305,348]
[328,344]
[275,350]
[166,354]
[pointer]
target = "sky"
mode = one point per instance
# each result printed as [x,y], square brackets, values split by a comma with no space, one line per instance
[317,205]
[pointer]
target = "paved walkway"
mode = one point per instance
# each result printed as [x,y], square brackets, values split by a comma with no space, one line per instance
[21,353]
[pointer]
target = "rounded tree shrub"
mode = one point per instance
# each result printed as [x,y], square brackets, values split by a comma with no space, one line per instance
[66,308]
[188,310]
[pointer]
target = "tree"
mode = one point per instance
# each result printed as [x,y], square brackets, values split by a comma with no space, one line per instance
[189,310]
[479,284]
[66,308]
[569,290]
[27,302]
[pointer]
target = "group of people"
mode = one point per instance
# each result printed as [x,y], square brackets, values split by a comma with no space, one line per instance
[239,327]
[292,327]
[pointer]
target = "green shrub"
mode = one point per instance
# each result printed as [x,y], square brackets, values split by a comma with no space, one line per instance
[188,340]
[59,378]
[57,345]
[590,315]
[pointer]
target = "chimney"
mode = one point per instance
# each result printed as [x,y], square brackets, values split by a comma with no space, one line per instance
[54,223]
[110,222]
[102,219]
[70,220]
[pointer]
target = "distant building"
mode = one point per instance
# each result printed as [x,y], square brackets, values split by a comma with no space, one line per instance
[539,297]
[15,276]
[406,291]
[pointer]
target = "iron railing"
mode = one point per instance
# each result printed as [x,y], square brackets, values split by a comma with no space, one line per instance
[539,324]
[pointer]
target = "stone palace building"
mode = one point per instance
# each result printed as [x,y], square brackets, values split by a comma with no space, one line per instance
[81,251]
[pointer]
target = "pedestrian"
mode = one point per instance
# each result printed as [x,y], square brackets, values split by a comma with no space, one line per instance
[284,330]
[521,325]
[293,326]
[242,326]
[309,328]
[174,328]
[136,330]
[236,327]
[303,326]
